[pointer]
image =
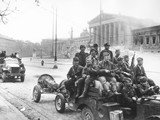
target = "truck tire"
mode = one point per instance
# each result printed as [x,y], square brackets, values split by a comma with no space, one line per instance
[60,103]
[22,78]
[37,93]
[4,77]
[87,114]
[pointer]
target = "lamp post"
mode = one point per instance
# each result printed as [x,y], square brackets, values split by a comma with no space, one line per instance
[55,56]
[100,24]
[52,53]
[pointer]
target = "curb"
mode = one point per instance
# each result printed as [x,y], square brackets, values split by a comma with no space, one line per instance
[8,111]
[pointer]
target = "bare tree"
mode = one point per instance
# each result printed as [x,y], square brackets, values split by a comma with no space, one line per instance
[6,10]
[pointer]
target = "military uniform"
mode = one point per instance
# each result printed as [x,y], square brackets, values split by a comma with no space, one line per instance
[107,80]
[139,72]
[82,58]
[144,88]
[104,52]
[128,93]
[89,74]
[74,74]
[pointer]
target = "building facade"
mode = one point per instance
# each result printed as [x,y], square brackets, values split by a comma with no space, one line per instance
[7,44]
[147,39]
[64,46]
[114,29]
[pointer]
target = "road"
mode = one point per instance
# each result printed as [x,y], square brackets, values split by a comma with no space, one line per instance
[20,94]
[23,91]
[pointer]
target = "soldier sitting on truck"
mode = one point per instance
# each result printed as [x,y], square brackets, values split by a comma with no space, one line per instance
[129,96]
[144,89]
[92,61]
[107,78]
[139,72]
[121,74]
[73,75]
[90,73]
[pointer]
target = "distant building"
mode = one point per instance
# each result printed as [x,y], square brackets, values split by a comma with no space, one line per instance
[147,39]
[116,29]
[7,44]
[65,46]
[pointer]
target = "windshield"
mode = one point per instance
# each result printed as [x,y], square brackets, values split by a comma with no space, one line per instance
[11,61]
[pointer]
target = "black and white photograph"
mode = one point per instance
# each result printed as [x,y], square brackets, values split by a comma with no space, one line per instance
[79,59]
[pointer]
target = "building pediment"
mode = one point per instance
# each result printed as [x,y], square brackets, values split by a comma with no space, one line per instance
[104,17]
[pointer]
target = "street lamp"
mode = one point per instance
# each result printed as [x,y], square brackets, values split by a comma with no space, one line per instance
[55,57]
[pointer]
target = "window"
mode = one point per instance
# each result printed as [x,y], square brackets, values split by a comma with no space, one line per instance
[141,40]
[154,39]
[136,41]
[147,40]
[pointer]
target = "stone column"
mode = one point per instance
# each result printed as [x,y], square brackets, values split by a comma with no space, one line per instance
[97,34]
[90,38]
[109,41]
[105,32]
[119,33]
[114,34]
[107,27]
[94,31]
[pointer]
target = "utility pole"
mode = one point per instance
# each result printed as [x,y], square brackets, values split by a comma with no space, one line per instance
[55,57]
[100,29]
[53,36]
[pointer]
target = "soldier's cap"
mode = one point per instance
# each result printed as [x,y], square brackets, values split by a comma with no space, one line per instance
[139,59]
[106,44]
[75,59]
[126,56]
[95,45]
[120,59]
[82,46]
[92,50]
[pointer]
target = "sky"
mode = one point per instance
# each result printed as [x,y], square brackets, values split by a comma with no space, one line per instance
[34,23]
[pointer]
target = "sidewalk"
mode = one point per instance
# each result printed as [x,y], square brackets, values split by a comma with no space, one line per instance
[9,112]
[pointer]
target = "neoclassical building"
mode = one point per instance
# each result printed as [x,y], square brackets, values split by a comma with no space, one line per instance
[115,29]
[147,39]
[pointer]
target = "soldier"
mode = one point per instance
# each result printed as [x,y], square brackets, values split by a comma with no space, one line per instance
[74,74]
[82,56]
[121,74]
[117,55]
[144,89]
[139,72]
[129,96]
[106,51]
[90,71]
[107,80]
[92,62]
[126,66]
[95,46]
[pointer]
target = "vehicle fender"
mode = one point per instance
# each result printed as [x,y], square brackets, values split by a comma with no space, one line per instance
[153,117]
[4,69]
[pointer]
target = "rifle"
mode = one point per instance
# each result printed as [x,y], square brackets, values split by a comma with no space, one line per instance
[132,62]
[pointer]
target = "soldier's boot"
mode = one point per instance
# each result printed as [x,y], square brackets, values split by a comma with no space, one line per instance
[78,93]
[84,91]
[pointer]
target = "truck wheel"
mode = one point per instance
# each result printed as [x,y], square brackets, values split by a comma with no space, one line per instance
[4,77]
[36,93]
[87,114]
[22,78]
[60,103]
